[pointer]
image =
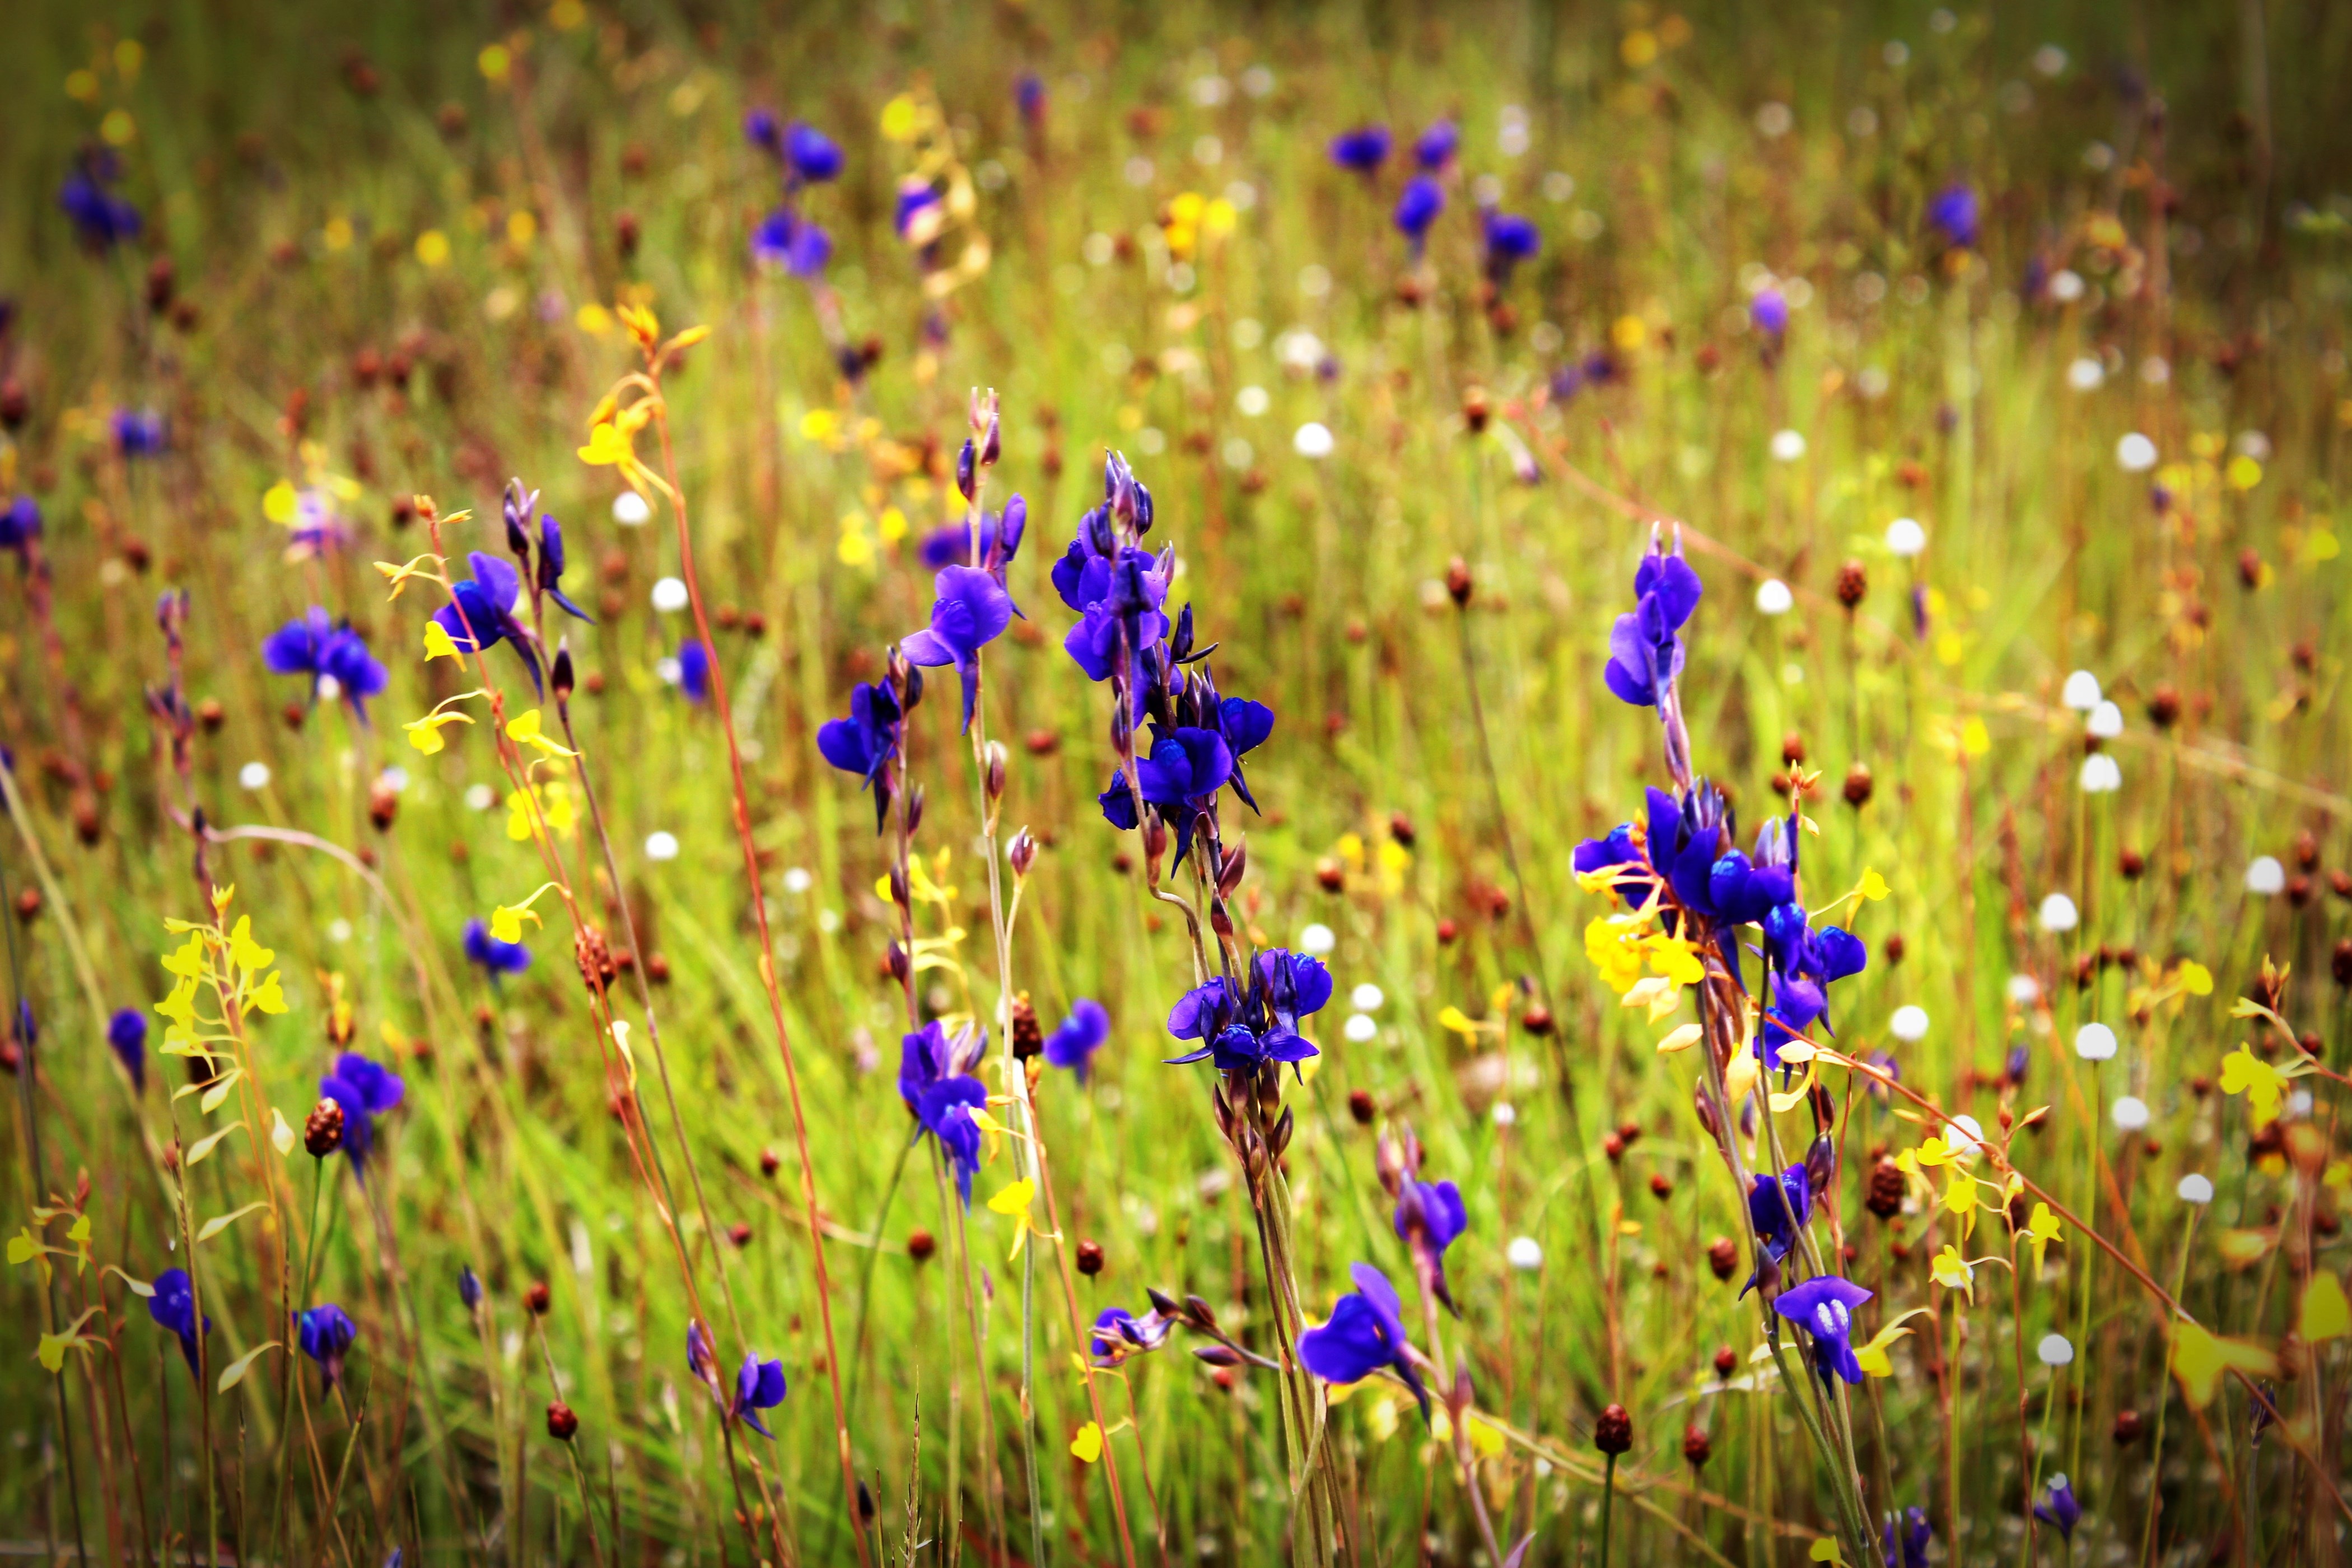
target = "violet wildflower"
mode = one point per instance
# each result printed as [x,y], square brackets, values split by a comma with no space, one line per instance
[174,1306]
[470,1287]
[1435,147]
[100,219]
[1000,542]
[140,433]
[1905,1535]
[126,1032]
[495,957]
[20,524]
[1365,1333]
[1429,1218]
[919,213]
[1954,212]
[1824,1307]
[935,1080]
[971,611]
[763,130]
[1029,97]
[326,1335]
[1778,1209]
[550,568]
[366,1090]
[1423,200]
[482,616]
[866,742]
[1120,1334]
[694,671]
[758,1385]
[1082,1033]
[1363,149]
[2059,1506]
[701,1358]
[326,650]
[1510,239]
[1645,655]
[1245,1029]
[785,239]
[1182,775]
[812,155]
[1768,311]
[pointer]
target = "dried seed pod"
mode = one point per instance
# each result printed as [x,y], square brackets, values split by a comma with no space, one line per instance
[1028,1037]
[1697,1446]
[1723,1256]
[1858,785]
[1885,1194]
[561,1423]
[920,1246]
[535,1297]
[1612,1430]
[1090,1259]
[1852,585]
[322,1133]
[1457,582]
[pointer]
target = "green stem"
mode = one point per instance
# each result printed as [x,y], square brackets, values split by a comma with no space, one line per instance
[1608,1504]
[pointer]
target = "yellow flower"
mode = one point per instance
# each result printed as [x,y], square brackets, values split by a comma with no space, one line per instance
[1677,958]
[1613,951]
[432,248]
[1087,1446]
[1954,1272]
[2243,1072]
[643,325]
[270,998]
[524,730]
[437,644]
[425,734]
[189,962]
[1871,1357]
[1014,1199]
[2041,1230]
[506,920]
[243,951]
[2199,1358]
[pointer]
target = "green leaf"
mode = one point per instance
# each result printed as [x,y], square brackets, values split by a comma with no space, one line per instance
[203,1146]
[219,1223]
[219,1091]
[235,1372]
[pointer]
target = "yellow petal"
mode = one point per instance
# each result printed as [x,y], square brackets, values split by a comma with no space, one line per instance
[1681,1040]
[2326,1315]
[1014,1197]
[437,644]
[1087,1446]
[270,998]
[278,503]
[1873,886]
[2200,1357]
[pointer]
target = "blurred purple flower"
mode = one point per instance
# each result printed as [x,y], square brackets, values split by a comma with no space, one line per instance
[694,671]
[866,741]
[366,1090]
[1955,212]
[1769,312]
[20,524]
[1082,1033]
[126,1032]
[174,1306]
[812,156]
[1436,146]
[1423,200]
[139,434]
[496,957]
[1510,239]
[101,219]
[325,650]
[787,241]
[1363,149]
[326,1335]
[1430,1216]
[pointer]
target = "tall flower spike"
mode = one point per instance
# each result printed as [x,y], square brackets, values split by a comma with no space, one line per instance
[482,616]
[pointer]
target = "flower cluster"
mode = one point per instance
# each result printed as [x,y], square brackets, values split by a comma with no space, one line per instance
[1244,1028]
[334,657]
[366,1090]
[785,239]
[935,1080]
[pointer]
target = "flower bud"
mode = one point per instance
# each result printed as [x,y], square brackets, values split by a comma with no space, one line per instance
[1725,1360]
[1022,853]
[997,759]
[561,1421]
[1155,838]
[1858,785]
[559,679]
[1090,1259]
[1028,1039]
[967,463]
[1361,1106]
[1457,582]
[1723,1256]
[1820,1163]
[1697,1446]
[322,1134]
[383,806]
[2128,1427]
[1612,1430]
[535,1296]
[991,445]
[920,1246]
[914,799]
[1852,583]
[1229,875]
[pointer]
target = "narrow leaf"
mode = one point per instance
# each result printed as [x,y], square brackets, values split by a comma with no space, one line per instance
[203,1146]
[219,1223]
[235,1371]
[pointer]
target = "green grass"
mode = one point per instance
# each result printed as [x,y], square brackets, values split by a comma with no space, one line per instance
[290,207]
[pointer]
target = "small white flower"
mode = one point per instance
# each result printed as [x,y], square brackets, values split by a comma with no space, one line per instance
[630,510]
[2130,1113]
[661,844]
[1773,597]
[393,779]
[1367,997]
[1909,1023]
[1788,446]
[2094,1043]
[338,930]
[797,880]
[1313,440]
[670,596]
[2106,722]
[2055,1350]
[2081,692]
[2086,374]
[2066,286]
[253,775]
[2058,914]
[328,688]
[1524,1253]
[1505,1113]
[2101,775]
[481,797]
[1905,537]
[2195,1189]
[2050,60]
[1361,1028]
[2135,453]
[2265,877]
[1965,1135]
[670,671]
[1252,401]
[2024,990]
[1316,940]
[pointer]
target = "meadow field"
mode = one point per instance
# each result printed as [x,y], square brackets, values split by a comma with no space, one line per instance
[1508,784]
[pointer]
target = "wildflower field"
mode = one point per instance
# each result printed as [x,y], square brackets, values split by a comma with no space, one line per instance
[1507,784]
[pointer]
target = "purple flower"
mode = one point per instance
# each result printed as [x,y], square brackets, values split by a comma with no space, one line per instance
[1029,95]
[918,214]
[1435,147]
[496,957]
[764,131]
[470,1287]
[1429,1217]
[694,671]
[1244,1029]
[812,154]
[2058,1506]
[999,541]
[365,1091]
[174,1305]
[758,1385]
[1954,213]
[1824,1307]
[866,741]
[101,219]
[1644,654]
[1363,149]
[1120,1334]
[1082,1033]
[971,611]
[550,568]
[1366,1332]
[327,1333]
[1769,312]
[139,434]
[1423,200]
[787,241]
[1182,775]
[126,1032]
[934,1080]
[326,650]
[1778,1210]
[1907,1533]
[1510,240]
[482,616]
[20,524]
